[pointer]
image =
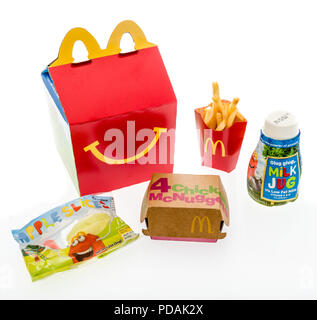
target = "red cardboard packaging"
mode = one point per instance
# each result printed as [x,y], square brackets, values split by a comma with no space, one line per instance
[219,149]
[114,115]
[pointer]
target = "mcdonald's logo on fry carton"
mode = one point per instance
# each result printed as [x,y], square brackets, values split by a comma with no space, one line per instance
[214,146]
[219,149]
[185,207]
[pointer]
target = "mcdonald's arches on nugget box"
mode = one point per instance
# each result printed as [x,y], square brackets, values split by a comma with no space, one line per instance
[185,207]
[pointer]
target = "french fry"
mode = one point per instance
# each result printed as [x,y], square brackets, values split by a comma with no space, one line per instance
[217,101]
[231,117]
[221,126]
[240,117]
[220,107]
[233,105]
[215,89]
[203,112]
[216,107]
[225,106]
[210,118]
[220,115]
[219,118]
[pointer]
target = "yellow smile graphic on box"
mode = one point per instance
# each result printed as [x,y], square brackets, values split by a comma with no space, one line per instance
[93,148]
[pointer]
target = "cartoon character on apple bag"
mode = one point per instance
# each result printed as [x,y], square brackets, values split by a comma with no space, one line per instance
[85,246]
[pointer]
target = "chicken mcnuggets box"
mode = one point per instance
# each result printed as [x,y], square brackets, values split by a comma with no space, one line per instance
[185,207]
[114,115]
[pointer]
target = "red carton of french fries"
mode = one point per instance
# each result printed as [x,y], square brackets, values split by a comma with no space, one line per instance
[221,129]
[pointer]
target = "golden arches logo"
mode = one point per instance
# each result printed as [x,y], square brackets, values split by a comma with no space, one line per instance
[214,147]
[93,148]
[201,224]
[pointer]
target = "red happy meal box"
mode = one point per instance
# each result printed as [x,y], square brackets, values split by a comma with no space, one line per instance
[114,116]
[219,149]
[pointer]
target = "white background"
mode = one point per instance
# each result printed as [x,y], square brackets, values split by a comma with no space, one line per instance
[261,51]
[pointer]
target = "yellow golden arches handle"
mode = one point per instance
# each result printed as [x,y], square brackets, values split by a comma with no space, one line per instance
[93,148]
[65,54]
[127,26]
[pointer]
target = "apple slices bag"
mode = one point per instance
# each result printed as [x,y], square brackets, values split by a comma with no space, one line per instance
[71,234]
